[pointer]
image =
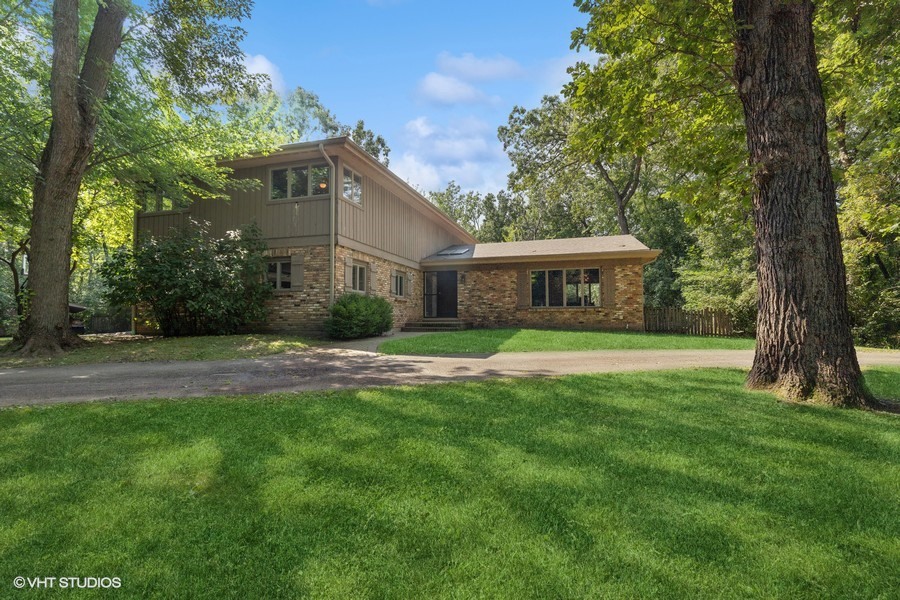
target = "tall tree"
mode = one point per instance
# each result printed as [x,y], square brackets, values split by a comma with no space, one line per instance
[76,88]
[195,52]
[705,74]
[543,149]
[804,346]
[303,116]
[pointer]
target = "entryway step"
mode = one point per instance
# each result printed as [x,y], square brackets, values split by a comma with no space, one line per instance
[436,325]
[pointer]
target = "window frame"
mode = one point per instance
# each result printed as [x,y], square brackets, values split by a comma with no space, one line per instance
[356,268]
[401,290]
[158,199]
[309,165]
[279,261]
[353,175]
[565,300]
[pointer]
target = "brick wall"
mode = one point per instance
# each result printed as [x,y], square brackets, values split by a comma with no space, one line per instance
[304,310]
[406,308]
[488,298]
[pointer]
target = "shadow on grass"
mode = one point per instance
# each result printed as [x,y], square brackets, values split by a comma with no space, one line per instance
[884,383]
[491,341]
[650,484]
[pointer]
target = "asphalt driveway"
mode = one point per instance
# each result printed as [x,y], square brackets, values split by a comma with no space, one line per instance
[337,368]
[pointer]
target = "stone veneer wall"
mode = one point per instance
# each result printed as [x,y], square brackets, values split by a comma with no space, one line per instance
[489,298]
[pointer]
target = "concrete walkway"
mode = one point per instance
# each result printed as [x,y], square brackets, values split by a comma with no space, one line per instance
[337,368]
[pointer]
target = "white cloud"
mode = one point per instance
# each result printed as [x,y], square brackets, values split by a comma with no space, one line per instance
[417,173]
[472,68]
[467,139]
[552,75]
[258,63]
[465,150]
[420,127]
[444,89]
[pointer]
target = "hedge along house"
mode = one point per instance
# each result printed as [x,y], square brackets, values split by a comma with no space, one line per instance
[337,221]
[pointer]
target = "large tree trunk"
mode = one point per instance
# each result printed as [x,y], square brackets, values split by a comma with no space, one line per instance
[804,347]
[74,97]
[622,196]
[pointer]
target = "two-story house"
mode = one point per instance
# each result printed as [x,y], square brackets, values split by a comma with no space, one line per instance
[337,221]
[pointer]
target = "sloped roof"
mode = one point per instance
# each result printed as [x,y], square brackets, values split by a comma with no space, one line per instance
[613,246]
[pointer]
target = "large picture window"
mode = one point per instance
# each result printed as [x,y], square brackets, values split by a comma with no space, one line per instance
[565,287]
[302,181]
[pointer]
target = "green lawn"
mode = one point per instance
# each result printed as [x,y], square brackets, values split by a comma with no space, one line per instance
[489,341]
[125,348]
[665,484]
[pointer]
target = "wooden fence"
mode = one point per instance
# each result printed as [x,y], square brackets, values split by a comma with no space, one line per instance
[693,322]
[115,323]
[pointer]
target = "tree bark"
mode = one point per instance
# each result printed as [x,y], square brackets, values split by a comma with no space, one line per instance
[804,347]
[623,196]
[74,98]
[11,262]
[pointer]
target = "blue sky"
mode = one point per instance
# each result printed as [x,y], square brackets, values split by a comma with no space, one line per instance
[434,78]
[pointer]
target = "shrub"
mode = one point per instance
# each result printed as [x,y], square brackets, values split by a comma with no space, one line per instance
[357,316]
[875,314]
[193,284]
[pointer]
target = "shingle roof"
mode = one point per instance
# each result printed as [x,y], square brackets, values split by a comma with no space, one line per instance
[610,246]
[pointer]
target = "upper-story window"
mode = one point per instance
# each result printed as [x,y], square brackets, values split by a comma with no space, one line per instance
[156,201]
[352,186]
[301,181]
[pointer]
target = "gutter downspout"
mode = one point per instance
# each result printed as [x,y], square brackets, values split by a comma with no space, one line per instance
[331,226]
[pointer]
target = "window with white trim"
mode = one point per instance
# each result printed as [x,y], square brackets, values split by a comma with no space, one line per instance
[279,274]
[398,283]
[571,288]
[298,181]
[358,279]
[352,186]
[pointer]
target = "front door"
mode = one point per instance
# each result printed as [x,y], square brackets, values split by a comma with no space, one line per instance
[440,294]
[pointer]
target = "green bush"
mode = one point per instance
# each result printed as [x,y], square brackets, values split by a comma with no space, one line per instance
[357,316]
[192,283]
[875,314]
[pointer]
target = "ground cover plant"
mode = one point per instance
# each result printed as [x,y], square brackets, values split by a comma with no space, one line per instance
[106,348]
[488,341]
[677,484]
